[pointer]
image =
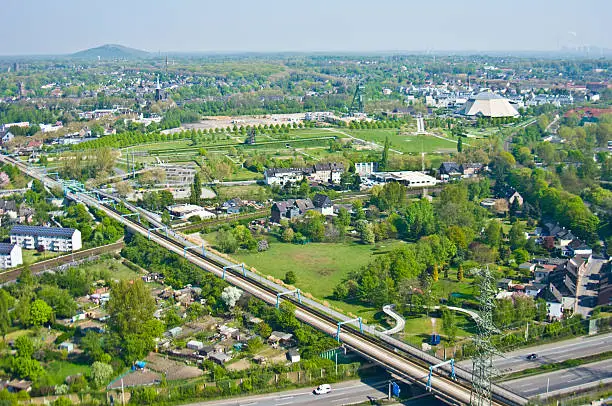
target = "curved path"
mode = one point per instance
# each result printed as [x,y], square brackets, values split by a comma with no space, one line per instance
[399,320]
[475,316]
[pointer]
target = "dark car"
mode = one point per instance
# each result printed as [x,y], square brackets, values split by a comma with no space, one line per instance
[532,356]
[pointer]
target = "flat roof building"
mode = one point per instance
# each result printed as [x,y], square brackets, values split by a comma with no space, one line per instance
[50,238]
[407,178]
[185,211]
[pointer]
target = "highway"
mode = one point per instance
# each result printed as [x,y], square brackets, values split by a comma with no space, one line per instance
[408,367]
[563,381]
[550,353]
[344,393]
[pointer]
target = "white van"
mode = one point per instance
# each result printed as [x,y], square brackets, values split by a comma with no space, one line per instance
[322,389]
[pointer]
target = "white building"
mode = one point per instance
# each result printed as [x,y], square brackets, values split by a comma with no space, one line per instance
[330,172]
[489,104]
[10,255]
[407,178]
[282,176]
[50,238]
[185,211]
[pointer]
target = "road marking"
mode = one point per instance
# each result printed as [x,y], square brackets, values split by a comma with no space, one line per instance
[248,404]
[281,404]
[286,397]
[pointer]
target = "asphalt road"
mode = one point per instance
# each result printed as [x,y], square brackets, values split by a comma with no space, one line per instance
[562,381]
[344,393]
[550,353]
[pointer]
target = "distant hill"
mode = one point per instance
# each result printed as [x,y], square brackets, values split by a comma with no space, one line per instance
[111,51]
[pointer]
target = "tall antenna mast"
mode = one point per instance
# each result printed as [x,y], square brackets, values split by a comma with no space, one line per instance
[483,371]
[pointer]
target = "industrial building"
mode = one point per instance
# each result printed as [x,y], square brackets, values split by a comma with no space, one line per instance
[406,178]
[489,104]
[50,238]
[185,211]
[10,255]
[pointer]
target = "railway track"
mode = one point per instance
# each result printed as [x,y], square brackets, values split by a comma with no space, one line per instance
[350,335]
[403,363]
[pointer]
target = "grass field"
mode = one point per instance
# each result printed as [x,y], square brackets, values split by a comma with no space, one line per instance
[406,143]
[32,256]
[318,266]
[116,268]
[418,329]
[245,192]
[59,370]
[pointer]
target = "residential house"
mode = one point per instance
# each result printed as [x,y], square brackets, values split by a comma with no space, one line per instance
[232,206]
[577,248]
[25,214]
[470,170]
[512,195]
[10,255]
[330,172]
[534,289]
[323,204]
[290,209]
[8,208]
[449,171]
[6,136]
[604,295]
[561,294]
[282,176]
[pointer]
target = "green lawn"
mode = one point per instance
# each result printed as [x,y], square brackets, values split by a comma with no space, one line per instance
[59,370]
[32,256]
[418,329]
[318,266]
[406,143]
[116,269]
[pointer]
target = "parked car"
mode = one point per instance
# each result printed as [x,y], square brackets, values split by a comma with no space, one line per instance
[532,356]
[322,389]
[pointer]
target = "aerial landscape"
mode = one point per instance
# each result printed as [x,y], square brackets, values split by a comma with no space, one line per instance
[332,203]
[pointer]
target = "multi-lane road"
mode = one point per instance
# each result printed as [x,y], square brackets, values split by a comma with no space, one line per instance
[344,393]
[563,381]
[550,353]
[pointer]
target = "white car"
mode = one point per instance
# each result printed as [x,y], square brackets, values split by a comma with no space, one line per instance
[322,389]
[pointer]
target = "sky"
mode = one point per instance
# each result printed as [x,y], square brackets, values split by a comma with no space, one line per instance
[66,26]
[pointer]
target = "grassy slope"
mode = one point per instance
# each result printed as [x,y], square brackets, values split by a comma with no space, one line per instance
[406,143]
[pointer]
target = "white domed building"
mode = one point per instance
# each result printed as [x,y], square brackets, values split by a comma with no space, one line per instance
[489,104]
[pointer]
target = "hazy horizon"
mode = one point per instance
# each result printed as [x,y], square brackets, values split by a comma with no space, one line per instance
[317,26]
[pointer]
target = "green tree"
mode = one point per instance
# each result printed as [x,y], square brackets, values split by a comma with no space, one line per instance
[287,235]
[226,241]
[517,235]
[290,278]
[101,374]
[384,161]
[460,275]
[40,313]
[492,234]
[255,345]
[5,315]
[449,324]
[460,144]
[196,189]
[59,299]
[131,309]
